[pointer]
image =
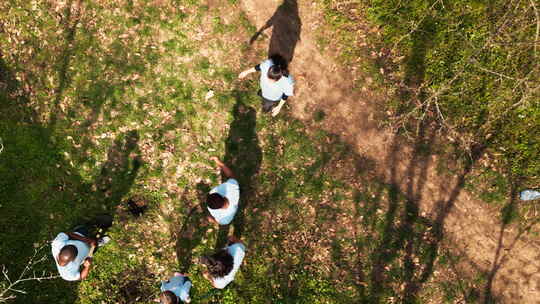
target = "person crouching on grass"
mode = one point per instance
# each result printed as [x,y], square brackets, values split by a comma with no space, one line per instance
[174,289]
[74,249]
[222,201]
[224,264]
[276,83]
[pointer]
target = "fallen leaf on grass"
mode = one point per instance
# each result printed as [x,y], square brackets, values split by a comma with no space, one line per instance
[209,95]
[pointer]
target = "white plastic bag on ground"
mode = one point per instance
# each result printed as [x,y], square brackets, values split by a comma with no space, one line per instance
[529,195]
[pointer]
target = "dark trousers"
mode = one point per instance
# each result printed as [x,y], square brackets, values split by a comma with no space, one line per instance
[82,230]
[267,104]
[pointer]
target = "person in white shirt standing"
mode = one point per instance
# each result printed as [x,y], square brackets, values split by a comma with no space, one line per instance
[222,201]
[224,264]
[276,83]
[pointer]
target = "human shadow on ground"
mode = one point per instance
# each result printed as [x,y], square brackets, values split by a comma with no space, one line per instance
[286,28]
[43,194]
[118,173]
[193,229]
[243,155]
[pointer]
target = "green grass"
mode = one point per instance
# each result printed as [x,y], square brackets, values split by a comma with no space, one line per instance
[131,120]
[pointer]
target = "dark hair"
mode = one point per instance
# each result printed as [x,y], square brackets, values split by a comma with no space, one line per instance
[279,67]
[68,253]
[168,297]
[219,264]
[215,201]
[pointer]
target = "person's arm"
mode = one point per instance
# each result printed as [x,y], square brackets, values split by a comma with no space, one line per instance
[75,236]
[276,109]
[247,72]
[207,276]
[233,240]
[212,220]
[288,91]
[86,268]
[226,170]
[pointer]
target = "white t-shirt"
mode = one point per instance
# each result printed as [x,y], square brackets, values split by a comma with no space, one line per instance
[273,90]
[230,190]
[71,271]
[238,251]
[179,285]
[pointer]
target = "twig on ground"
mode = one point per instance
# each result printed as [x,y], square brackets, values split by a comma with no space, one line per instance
[9,289]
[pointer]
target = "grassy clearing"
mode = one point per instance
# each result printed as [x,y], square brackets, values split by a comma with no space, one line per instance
[115,108]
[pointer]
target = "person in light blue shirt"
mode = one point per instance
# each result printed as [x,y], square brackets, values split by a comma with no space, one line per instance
[224,264]
[72,250]
[177,287]
[276,83]
[222,201]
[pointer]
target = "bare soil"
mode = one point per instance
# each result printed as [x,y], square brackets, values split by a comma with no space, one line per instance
[471,228]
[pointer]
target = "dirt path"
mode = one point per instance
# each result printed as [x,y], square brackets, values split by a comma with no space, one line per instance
[508,259]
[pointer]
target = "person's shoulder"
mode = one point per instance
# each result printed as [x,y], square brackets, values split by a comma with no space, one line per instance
[163,285]
[231,181]
[236,248]
[222,282]
[266,64]
[68,273]
[59,242]
[289,79]
[61,237]
[216,189]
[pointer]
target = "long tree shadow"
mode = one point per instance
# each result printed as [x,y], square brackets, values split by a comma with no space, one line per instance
[403,245]
[71,20]
[508,214]
[286,28]
[243,154]
[28,165]
[42,193]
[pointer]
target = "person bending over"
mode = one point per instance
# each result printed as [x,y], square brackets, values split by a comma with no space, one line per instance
[224,264]
[174,289]
[72,250]
[222,201]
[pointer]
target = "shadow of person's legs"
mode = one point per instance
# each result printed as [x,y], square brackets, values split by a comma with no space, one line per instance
[222,236]
[243,154]
[192,230]
[119,171]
